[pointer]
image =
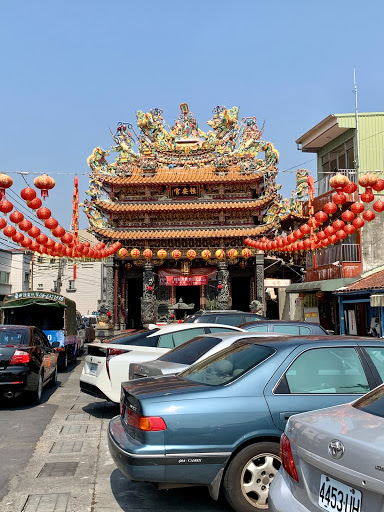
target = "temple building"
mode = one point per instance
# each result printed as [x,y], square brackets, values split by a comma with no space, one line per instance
[181,206]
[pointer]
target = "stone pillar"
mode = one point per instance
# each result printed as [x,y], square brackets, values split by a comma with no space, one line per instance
[148,301]
[222,301]
[259,279]
[203,294]
[109,286]
[116,319]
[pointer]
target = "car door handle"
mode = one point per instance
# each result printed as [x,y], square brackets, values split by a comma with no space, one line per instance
[284,416]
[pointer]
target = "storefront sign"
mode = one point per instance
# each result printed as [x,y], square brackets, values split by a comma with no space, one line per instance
[352,327]
[186,280]
[186,191]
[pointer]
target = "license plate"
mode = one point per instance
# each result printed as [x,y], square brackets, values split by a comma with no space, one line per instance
[334,495]
[92,369]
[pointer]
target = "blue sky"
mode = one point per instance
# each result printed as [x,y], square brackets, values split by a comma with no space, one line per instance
[71,69]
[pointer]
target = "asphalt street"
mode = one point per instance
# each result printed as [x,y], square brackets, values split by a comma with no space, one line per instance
[57,460]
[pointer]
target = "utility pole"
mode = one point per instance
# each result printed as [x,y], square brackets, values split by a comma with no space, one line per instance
[59,274]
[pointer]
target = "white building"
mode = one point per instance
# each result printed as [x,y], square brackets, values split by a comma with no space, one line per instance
[15,273]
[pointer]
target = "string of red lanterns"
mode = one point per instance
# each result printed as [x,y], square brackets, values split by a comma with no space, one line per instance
[351,219]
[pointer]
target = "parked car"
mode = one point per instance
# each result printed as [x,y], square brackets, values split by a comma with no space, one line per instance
[286,326]
[230,317]
[107,364]
[191,352]
[27,362]
[219,422]
[333,459]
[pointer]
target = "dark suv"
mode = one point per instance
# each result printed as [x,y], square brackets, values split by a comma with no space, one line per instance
[229,317]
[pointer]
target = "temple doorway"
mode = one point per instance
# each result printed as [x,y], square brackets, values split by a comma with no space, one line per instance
[190,295]
[241,293]
[133,312]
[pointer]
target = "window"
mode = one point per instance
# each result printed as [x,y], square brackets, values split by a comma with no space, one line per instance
[229,319]
[71,284]
[221,329]
[373,403]
[191,351]
[228,364]
[305,330]
[377,356]
[335,370]
[142,338]
[40,286]
[54,289]
[14,336]
[4,277]
[166,341]
[181,337]
[288,329]
[26,277]
[256,328]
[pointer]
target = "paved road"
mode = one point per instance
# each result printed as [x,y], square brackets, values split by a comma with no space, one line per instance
[21,426]
[69,468]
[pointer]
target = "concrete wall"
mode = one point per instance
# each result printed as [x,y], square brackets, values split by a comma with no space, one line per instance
[17,265]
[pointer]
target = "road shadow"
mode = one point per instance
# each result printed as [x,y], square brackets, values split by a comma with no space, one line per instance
[140,496]
[102,409]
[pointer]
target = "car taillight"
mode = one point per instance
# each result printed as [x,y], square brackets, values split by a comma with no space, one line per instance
[112,352]
[146,423]
[20,357]
[287,457]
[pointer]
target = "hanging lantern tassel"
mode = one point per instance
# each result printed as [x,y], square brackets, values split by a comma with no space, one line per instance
[74,272]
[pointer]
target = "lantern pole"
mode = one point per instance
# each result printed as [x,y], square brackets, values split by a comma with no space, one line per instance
[75,221]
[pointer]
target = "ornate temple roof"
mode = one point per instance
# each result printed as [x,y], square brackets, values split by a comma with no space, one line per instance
[175,206]
[161,234]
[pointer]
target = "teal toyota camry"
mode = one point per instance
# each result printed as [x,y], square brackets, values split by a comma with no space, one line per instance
[218,424]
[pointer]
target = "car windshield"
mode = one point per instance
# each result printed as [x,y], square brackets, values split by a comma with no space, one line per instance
[140,338]
[190,351]
[14,336]
[372,403]
[227,365]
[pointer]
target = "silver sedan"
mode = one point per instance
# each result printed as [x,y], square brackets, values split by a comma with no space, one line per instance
[333,459]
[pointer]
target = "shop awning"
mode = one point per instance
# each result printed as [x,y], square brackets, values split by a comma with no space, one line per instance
[329,285]
[22,303]
[377,300]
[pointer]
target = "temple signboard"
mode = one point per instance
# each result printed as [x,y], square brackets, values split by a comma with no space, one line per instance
[185,191]
[186,280]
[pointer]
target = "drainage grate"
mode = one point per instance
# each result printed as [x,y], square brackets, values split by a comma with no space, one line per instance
[58,469]
[67,447]
[75,429]
[78,417]
[46,503]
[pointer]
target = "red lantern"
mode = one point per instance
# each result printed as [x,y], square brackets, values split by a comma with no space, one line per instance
[379,185]
[9,231]
[368,180]
[34,246]
[321,235]
[28,194]
[357,207]
[149,288]
[307,244]
[117,244]
[67,238]
[291,239]
[57,247]
[51,223]
[5,206]
[50,243]
[330,208]
[305,229]
[321,217]
[349,229]
[350,188]
[16,217]
[326,242]
[25,225]
[339,198]
[367,196]
[333,239]
[18,237]
[26,242]
[34,232]
[348,216]
[43,213]
[378,206]
[3,223]
[44,183]
[300,245]
[219,286]
[338,181]
[34,204]
[341,234]
[358,223]
[329,231]
[5,182]
[42,239]
[58,232]
[338,224]
[298,234]
[313,223]
[369,215]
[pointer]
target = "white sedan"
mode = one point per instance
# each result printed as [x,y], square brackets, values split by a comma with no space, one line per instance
[107,364]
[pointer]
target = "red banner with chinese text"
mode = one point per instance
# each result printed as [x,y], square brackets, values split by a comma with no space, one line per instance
[186,280]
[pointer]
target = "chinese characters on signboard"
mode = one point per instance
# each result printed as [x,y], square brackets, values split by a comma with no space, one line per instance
[186,280]
[186,191]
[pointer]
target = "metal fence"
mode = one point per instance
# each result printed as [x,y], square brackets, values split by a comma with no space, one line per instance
[335,254]
[323,184]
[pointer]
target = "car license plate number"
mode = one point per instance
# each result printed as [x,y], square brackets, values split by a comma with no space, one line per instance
[92,369]
[333,495]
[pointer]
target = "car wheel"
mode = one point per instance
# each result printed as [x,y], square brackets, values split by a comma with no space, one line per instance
[248,477]
[53,380]
[65,362]
[36,395]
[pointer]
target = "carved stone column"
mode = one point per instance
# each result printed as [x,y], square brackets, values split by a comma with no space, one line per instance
[116,320]
[148,301]
[222,301]
[109,285]
[259,279]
